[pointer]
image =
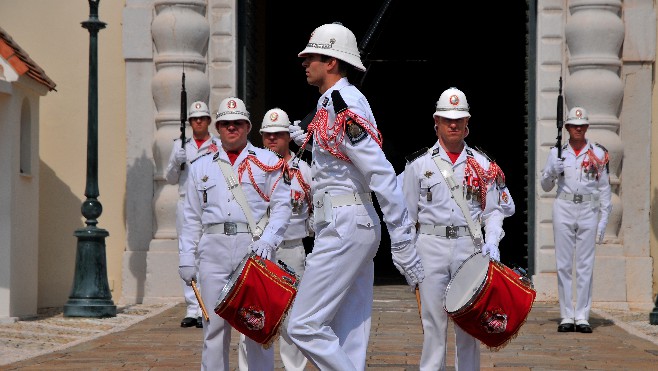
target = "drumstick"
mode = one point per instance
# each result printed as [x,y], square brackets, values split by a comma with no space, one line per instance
[419,307]
[198,298]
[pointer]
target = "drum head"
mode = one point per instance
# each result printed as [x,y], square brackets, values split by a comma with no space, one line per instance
[467,282]
[232,279]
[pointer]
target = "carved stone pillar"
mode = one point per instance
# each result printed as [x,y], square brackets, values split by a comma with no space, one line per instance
[594,35]
[180,32]
[180,35]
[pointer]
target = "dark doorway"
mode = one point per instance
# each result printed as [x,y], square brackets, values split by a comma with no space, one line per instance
[418,51]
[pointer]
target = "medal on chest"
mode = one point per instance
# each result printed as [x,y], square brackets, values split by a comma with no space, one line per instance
[428,174]
[472,185]
[297,201]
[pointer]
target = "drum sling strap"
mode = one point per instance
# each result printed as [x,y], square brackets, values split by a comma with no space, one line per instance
[235,188]
[446,171]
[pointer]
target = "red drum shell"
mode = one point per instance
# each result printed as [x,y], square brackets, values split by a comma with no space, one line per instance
[257,297]
[488,300]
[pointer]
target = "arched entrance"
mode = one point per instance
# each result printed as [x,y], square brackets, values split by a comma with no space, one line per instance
[418,52]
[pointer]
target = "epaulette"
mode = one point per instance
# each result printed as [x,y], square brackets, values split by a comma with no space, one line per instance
[275,152]
[207,153]
[601,146]
[412,157]
[483,153]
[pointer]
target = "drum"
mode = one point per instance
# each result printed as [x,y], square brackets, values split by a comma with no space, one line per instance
[488,300]
[257,297]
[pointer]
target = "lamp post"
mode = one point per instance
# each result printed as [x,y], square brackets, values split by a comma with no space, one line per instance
[653,316]
[90,295]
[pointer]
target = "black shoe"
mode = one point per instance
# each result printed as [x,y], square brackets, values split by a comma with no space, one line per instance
[199,323]
[189,322]
[567,327]
[586,329]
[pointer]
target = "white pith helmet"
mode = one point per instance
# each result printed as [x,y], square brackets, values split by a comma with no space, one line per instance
[334,40]
[198,109]
[452,104]
[274,121]
[231,109]
[577,116]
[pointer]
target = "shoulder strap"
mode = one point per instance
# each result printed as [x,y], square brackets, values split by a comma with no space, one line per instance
[446,171]
[241,199]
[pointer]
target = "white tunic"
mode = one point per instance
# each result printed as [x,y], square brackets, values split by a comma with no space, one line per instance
[430,202]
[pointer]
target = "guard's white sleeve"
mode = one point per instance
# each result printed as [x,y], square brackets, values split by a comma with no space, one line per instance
[369,158]
[411,191]
[605,195]
[547,179]
[191,230]
[173,171]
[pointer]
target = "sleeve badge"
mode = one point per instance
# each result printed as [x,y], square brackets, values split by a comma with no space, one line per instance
[354,131]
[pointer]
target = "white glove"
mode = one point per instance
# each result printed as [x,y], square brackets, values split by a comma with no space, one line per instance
[180,156]
[187,274]
[492,250]
[297,134]
[310,224]
[600,231]
[407,262]
[556,168]
[262,249]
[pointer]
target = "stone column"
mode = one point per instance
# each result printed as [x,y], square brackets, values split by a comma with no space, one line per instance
[180,34]
[594,35]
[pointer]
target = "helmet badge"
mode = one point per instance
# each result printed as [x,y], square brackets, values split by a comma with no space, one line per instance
[197,106]
[231,104]
[579,114]
[274,116]
[454,100]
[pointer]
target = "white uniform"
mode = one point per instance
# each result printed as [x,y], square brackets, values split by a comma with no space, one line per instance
[209,202]
[431,205]
[330,319]
[291,252]
[174,175]
[583,198]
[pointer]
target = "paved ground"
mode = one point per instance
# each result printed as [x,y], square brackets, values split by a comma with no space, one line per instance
[149,337]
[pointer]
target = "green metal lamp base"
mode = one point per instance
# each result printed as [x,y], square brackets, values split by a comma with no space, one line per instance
[90,308]
[90,295]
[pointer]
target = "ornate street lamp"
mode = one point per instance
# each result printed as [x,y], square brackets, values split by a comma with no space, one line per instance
[90,295]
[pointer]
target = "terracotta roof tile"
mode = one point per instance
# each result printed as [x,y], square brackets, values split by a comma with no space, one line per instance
[21,61]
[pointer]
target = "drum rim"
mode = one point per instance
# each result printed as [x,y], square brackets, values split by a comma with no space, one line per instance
[477,292]
[232,279]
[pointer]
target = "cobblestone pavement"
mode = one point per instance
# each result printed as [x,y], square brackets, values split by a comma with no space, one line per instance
[149,337]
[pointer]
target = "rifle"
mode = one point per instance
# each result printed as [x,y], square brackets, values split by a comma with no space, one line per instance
[560,120]
[183,117]
[365,42]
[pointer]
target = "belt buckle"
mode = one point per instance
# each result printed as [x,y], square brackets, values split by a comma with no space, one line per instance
[577,198]
[452,231]
[230,228]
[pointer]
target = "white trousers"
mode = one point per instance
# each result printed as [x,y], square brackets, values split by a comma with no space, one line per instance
[441,258]
[192,305]
[574,230]
[331,316]
[219,255]
[293,359]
